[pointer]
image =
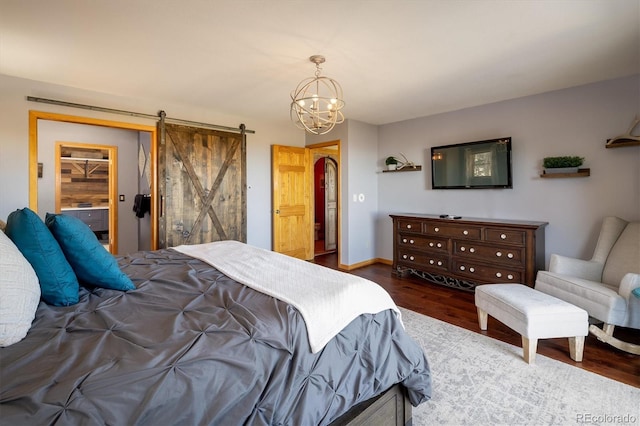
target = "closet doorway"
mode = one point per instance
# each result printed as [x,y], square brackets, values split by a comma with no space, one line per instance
[126,232]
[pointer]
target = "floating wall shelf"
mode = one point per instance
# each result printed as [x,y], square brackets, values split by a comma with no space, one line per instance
[580,173]
[620,143]
[405,169]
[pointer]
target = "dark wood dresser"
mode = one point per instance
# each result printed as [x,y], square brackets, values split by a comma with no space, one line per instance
[465,252]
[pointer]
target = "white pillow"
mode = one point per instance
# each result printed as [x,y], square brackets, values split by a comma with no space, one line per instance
[19,293]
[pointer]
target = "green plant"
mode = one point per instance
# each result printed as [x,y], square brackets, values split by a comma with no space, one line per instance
[566,161]
[391,160]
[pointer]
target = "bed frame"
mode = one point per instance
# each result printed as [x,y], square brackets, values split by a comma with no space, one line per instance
[392,407]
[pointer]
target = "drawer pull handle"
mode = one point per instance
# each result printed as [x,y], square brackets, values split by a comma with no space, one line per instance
[499,254]
[436,229]
[472,250]
[503,236]
[404,240]
[462,268]
[430,244]
[439,245]
[472,269]
[439,262]
[408,226]
[462,248]
[411,258]
[404,256]
[510,276]
[431,262]
[498,274]
[510,255]
[410,241]
[465,232]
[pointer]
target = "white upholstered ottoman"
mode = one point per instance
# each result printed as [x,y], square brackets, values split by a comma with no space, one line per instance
[533,314]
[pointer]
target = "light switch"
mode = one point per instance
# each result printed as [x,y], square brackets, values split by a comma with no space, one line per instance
[121,197]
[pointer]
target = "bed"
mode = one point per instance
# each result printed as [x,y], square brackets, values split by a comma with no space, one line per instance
[191,345]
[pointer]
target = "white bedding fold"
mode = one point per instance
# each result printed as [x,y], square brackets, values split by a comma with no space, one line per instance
[327,299]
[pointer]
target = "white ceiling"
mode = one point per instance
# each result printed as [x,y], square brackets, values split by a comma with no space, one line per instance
[395,59]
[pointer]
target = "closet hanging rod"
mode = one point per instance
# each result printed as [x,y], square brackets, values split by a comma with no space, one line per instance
[139,114]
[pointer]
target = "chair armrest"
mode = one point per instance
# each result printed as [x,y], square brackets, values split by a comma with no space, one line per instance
[629,283]
[578,268]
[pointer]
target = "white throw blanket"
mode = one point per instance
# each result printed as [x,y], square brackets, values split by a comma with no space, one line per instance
[327,299]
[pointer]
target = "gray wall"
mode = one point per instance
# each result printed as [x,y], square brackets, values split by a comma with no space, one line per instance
[14,141]
[359,185]
[575,121]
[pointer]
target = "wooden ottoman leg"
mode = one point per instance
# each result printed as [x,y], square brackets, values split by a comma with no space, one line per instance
[482,319]
[529,348]
[576,348]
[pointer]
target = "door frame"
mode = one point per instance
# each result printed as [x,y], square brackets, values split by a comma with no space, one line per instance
[323,149]
[34,116]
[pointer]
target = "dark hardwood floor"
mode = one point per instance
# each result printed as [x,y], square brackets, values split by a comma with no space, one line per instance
[457,307]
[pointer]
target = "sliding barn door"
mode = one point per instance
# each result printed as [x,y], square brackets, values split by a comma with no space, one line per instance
[202,186]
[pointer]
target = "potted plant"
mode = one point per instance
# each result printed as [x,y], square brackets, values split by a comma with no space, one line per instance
[564,164]
[391,162]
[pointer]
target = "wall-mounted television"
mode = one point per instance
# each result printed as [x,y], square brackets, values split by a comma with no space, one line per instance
[472,165]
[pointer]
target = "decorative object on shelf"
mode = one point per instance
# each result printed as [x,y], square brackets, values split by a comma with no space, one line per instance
[565,164]
[406,164]
[391,162]
[317,102]
[396,165]
[626,139]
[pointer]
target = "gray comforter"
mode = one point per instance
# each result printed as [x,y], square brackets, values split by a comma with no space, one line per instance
[191,346]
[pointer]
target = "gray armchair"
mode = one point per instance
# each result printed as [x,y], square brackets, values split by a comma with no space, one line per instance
[607,286]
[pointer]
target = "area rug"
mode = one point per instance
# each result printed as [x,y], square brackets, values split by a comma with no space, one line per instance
[478,380]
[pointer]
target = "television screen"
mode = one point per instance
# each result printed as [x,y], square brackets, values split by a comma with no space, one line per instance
[481,164]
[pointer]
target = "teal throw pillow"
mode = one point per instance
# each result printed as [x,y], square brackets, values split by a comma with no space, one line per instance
[92,263]
[58,283]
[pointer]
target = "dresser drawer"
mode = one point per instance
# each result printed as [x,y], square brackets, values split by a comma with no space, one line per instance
[423,242]
[89,215]
[413,259]
[509,236]
[97,220]
[481,272]
[507,255]
[453,231]
[409,226]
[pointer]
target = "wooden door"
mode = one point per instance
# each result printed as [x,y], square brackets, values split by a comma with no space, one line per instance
[202,186]
[292,180]
[330,204]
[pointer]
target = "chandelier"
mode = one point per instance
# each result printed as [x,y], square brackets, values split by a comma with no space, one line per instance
[316,102]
